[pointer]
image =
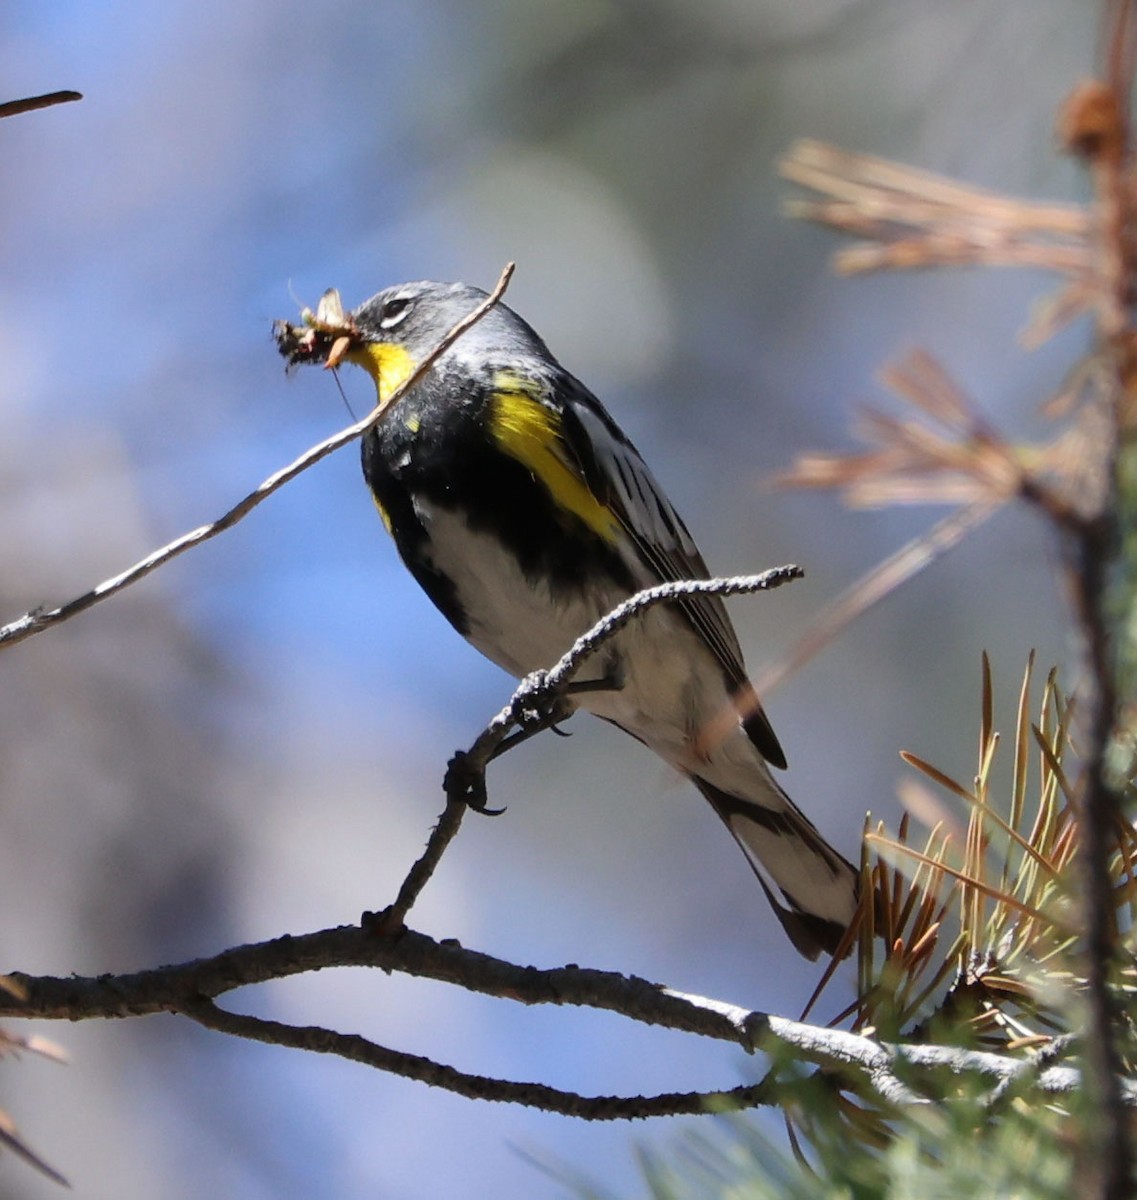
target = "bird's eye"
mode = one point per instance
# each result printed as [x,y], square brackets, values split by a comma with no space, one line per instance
[394,311]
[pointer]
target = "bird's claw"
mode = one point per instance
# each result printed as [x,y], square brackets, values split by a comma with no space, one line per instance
[466,781]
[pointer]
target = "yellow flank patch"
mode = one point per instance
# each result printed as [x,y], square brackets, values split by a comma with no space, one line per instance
[528,431]
[388,364]
[384,515]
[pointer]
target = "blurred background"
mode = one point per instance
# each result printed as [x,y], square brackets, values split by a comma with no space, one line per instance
[252,741]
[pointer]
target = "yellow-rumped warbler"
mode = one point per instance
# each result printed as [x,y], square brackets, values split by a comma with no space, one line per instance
[526,515]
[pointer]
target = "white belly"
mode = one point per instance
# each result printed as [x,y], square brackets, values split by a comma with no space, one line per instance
[672,685]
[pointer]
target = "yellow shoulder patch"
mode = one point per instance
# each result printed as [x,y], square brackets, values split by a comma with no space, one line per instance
[529,431]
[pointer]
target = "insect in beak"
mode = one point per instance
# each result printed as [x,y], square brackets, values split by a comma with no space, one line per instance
[327,334]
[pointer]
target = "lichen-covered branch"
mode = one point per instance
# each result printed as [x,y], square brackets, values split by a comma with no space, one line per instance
[889,1073]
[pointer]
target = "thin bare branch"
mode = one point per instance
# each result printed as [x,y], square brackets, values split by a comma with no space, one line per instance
[190,989]
[475,1087]
[38,620]
[392,919]
[13,107]
[539,702]
[536,704]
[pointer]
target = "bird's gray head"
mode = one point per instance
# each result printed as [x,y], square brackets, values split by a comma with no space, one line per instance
[393,332]
[400,326]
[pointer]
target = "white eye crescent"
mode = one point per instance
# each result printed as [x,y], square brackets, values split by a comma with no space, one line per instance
[394,311]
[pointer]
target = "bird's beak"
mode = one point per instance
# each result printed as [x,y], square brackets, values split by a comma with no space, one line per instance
[332,336]
[326,335]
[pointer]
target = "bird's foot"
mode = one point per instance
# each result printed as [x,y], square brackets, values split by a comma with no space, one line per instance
[465,781]
[538,704]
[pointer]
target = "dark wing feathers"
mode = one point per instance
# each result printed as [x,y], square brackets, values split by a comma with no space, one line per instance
[618,477]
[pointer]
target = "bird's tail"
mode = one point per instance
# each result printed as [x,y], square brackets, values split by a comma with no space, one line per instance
[819,887]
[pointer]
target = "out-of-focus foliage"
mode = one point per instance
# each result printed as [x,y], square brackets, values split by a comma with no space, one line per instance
[940,1153]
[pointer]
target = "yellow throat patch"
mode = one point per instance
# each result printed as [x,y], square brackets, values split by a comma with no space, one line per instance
[388,364]
[528,431]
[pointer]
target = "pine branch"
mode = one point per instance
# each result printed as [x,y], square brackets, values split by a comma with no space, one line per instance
[888,1072]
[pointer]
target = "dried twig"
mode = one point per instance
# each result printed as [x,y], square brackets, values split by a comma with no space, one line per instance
[475,1087]
[393,918]
[536,704]
[885,1070]
[13,107]
[38,620]
[540,700]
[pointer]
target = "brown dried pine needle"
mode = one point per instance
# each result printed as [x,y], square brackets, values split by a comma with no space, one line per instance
[911,219]
[981,921]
